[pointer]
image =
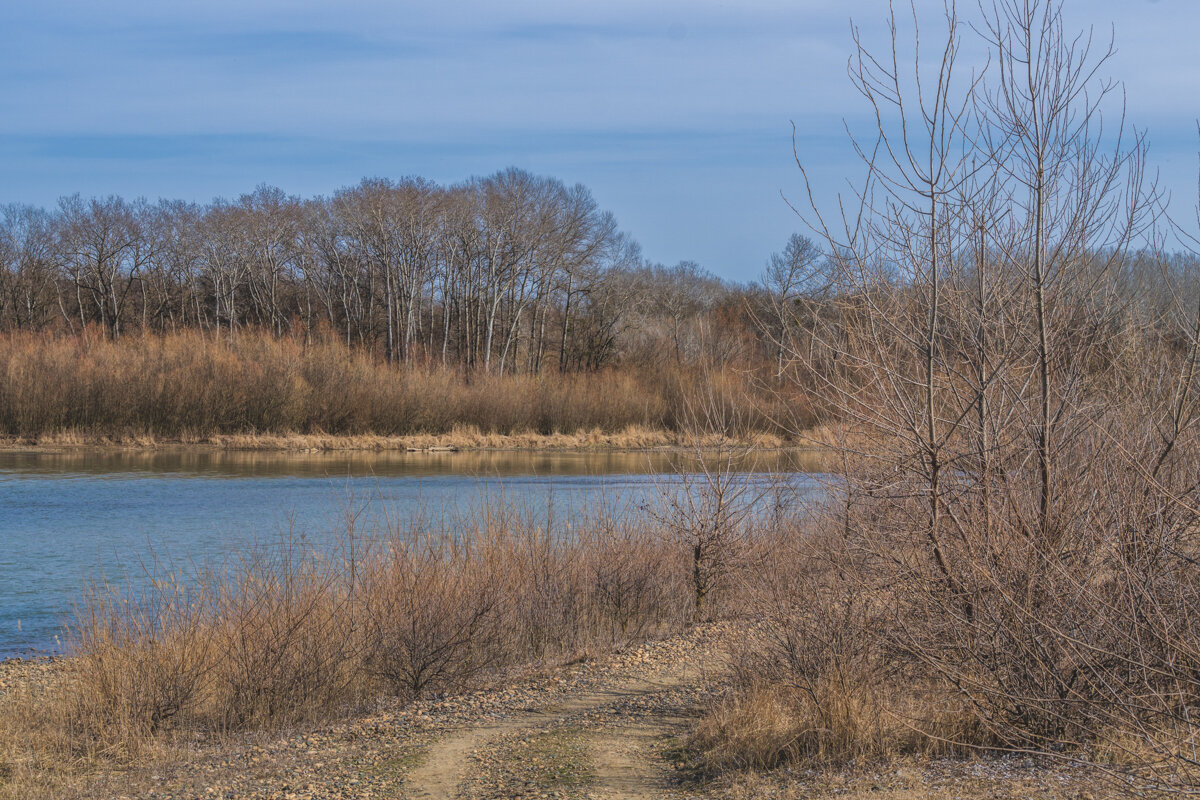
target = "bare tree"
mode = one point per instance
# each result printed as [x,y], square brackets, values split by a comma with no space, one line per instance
[1018,473]
[791,280]
[104,252]
[28,266]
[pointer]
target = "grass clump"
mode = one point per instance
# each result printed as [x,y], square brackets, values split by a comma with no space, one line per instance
[556,761]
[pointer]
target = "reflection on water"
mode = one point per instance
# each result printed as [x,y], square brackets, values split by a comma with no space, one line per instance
[74,516]
[219,463]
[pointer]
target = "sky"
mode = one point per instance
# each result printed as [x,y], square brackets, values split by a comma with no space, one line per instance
[677,114]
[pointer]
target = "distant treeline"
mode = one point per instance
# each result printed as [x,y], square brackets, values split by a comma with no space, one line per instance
[508,273]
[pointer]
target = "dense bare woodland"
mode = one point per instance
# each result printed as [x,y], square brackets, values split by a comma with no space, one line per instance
[509,273]
[388,290]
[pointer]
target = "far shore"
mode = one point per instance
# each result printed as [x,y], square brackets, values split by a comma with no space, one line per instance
[635,439]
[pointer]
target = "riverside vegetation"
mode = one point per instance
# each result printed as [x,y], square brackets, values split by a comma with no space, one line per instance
[285,637]
[264,391]
[507,305]
[1006,362]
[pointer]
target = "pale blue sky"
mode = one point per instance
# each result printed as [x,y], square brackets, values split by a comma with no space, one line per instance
[675,113]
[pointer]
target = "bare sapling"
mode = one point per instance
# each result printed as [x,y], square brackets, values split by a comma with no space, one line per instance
[707,509]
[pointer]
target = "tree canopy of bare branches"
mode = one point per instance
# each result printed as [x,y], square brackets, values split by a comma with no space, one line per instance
[1012,361]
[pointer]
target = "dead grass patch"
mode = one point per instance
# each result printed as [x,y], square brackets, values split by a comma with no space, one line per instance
[287,637]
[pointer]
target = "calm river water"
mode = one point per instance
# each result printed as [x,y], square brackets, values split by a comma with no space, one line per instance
[73,517]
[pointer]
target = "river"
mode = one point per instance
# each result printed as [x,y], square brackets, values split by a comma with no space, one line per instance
[69,518]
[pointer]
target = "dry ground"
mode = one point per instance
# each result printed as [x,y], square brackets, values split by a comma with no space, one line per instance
[608,728]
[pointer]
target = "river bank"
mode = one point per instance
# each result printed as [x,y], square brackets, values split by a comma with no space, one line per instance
[465,438]
[607,726]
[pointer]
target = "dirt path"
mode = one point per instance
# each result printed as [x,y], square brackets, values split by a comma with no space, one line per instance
[620,758]
[444,767]
[625,763]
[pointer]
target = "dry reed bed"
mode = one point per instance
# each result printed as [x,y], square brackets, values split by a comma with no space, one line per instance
[189,387]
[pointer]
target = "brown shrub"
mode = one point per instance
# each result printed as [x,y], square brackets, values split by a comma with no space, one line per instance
[430,614]
[819,677]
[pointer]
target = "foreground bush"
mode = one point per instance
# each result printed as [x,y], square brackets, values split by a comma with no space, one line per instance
[1008,561]
[817,676]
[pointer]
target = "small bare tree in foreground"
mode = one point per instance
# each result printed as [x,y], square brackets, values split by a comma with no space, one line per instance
[706,510]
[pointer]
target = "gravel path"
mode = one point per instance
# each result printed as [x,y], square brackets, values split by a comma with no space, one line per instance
[593,729]
[607,729]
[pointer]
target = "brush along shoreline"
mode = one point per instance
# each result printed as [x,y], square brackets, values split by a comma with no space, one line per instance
[615,724]
[633,439]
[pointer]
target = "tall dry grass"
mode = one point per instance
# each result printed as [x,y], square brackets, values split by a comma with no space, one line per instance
[284,635]
[817,678]
[190,386]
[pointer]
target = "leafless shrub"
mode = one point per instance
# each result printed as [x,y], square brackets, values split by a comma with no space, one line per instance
[1007,559]
[635,583]
[431,615]
[705,511]
[284,625]
[140,663]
